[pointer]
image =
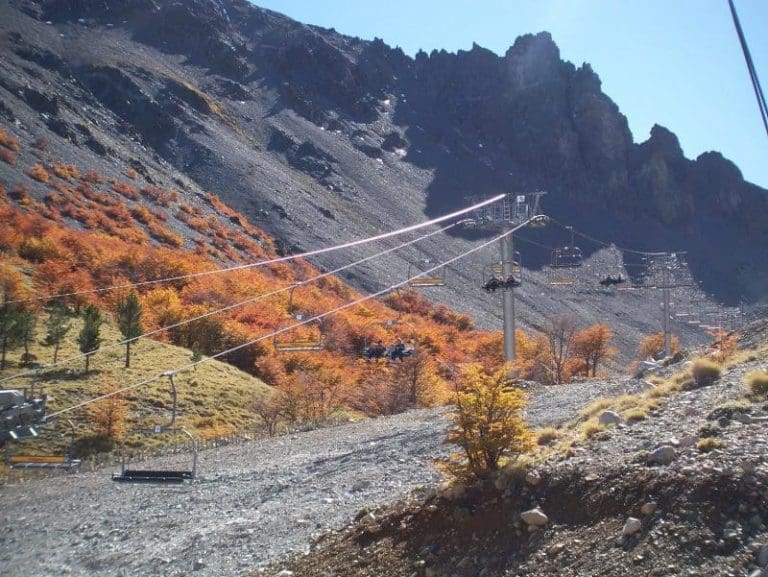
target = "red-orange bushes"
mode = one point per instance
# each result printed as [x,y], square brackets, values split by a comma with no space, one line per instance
[120,214]
[142,214]
[38,172]
[93,177]
[7,156]
[445,316]
[20,193]
[37,250]
[165,236]
[8,141]
[124,189]
[160,196]
[65,171]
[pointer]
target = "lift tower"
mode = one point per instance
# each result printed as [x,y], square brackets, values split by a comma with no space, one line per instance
[509,214]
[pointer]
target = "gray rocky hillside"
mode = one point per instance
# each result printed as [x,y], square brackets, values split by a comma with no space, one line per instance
[324,138]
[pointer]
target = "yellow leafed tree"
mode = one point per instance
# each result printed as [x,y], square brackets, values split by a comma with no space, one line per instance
[488,420]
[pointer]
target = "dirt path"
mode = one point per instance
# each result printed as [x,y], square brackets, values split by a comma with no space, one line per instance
[252,503]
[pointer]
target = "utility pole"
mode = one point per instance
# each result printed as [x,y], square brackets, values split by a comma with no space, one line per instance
[508,298]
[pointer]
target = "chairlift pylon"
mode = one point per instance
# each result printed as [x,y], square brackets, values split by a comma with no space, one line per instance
[127,475]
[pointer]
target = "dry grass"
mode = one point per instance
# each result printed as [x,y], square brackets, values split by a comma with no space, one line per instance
[757,383]
[547,436]
[213,400]
[591,428]
[705,372]
[636,414]
[709,444]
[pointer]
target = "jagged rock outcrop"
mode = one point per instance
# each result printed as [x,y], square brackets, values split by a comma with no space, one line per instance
[214,88]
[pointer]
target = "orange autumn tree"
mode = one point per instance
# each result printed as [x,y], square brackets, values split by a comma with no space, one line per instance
[724,344]
[653,345]
[592,346]
[108,415]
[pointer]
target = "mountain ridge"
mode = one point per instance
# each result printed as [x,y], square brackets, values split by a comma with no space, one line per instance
[323,137]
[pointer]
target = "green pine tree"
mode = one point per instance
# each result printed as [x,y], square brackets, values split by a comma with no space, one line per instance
[27,324]
[9,330]
[197,354]
[56,326]
[89,338]
[129,322]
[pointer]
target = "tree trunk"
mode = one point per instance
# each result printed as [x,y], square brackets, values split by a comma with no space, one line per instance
[87,362]
[2,359]
[128,355]
[56,351]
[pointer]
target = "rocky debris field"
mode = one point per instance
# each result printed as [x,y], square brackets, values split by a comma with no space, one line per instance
[640,498]
[251,504]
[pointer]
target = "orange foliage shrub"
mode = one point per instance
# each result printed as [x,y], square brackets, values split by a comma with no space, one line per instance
[124,189]
[65,171]
[131,173]
[92,177]
[38,172]
[160,196]
[8,141]
[165,236]
[653,345]
[724,345]
[7,156]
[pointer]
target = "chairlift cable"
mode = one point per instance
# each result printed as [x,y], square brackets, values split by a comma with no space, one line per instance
[296,325]
[288,258]
[750,67]
[228,307]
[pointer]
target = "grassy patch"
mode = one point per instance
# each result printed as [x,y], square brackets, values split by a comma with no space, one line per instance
[547,436]
[636,414]
[213,400]
[728,409]
[705,372]
[757,383]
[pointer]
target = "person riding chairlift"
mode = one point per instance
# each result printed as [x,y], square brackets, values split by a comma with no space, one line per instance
[494,283]
[610,280]
[376,351]
[400,351]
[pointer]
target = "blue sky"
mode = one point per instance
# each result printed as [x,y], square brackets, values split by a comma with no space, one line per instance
[677,63]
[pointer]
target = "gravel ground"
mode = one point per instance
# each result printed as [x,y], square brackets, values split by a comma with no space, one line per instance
[251,504]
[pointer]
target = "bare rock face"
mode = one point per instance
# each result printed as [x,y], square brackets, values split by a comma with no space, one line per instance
[205,84]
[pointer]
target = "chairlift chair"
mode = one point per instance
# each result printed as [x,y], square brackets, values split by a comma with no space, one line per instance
[63,460]
[287,344]
[129,475]
[567,256]
[433,279]
[493,278]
